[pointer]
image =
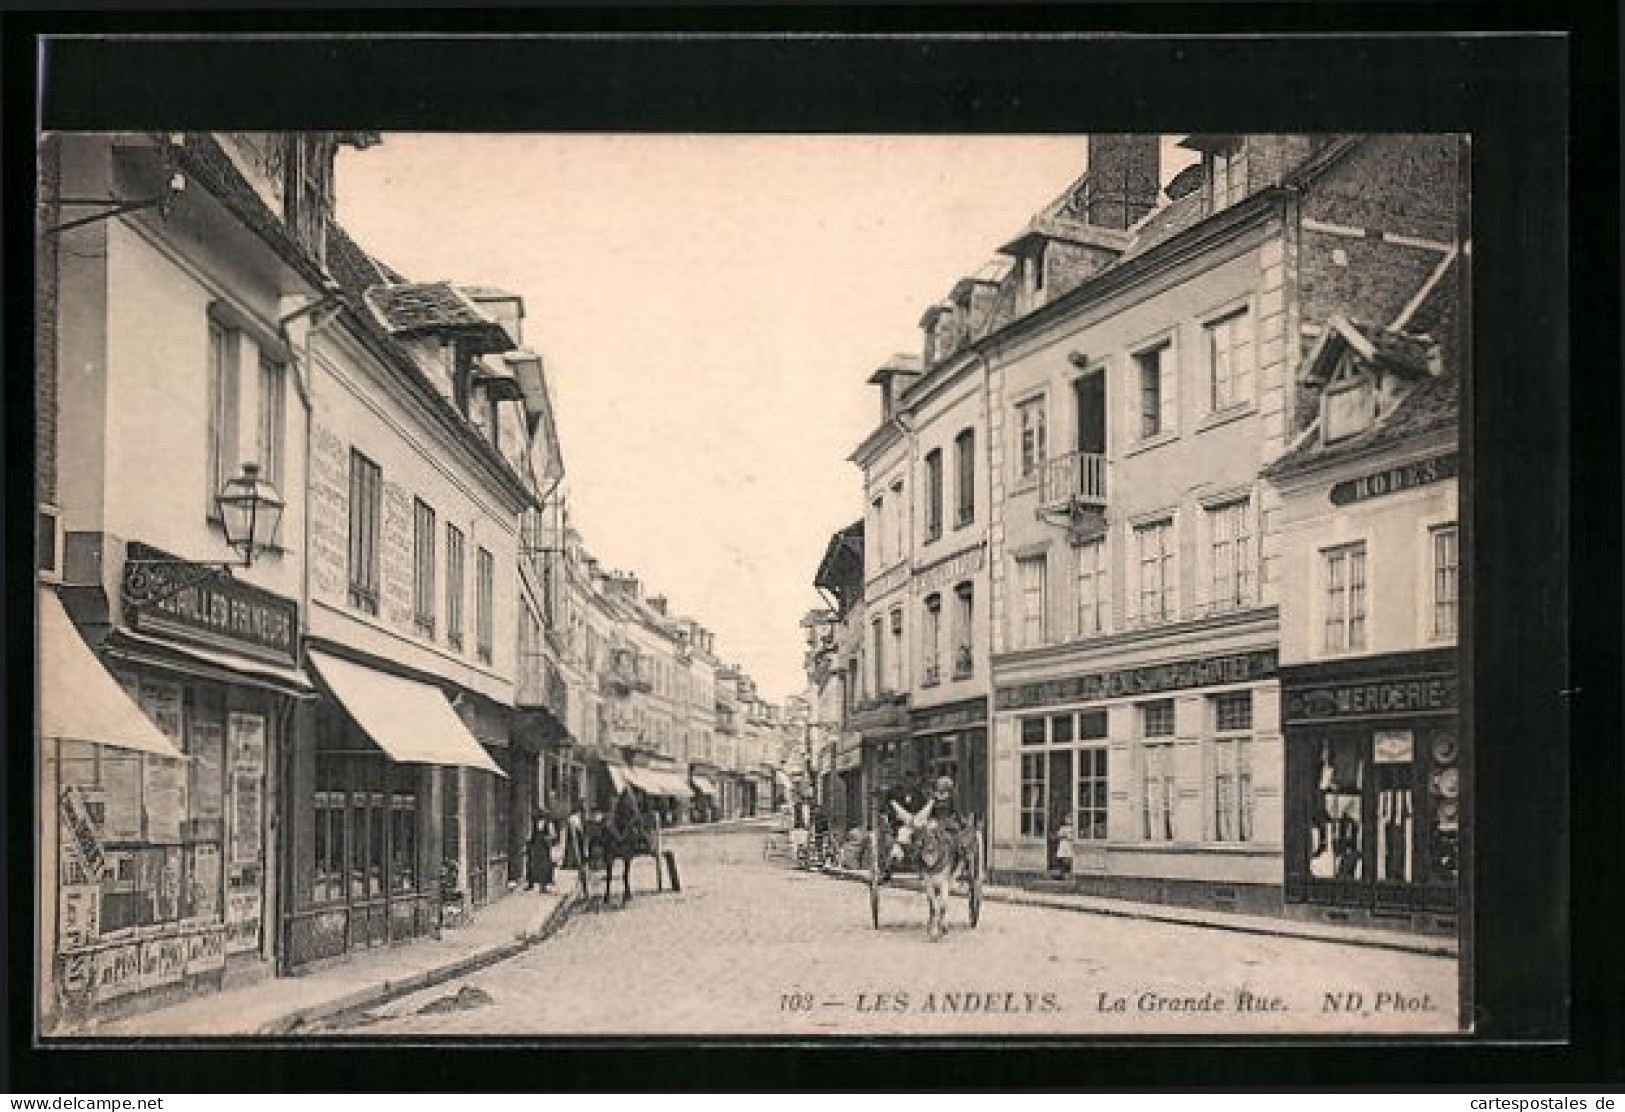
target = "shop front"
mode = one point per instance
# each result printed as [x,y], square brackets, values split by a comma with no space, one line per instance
[951,740]
[381,804]
[702,776]
[1375,761]
[164,875]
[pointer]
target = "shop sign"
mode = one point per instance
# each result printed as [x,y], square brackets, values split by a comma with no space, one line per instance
[1395,480]
[1151,679]
[1418,695]
[206,951]
[79,833]
[242,921]
[886,582]
[954,569]
[116,971]
[956,717]
[163,961]
[220,612]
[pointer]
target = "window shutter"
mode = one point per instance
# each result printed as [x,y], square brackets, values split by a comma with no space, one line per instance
[1167,386]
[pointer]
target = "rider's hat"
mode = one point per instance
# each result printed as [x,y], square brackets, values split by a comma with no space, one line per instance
[945,783]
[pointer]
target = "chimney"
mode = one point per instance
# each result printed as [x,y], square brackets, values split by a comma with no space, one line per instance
[1124,177]
[657,603]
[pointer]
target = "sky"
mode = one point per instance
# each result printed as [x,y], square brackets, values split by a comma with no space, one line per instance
[708,309]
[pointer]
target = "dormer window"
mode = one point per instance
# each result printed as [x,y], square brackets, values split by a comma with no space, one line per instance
[1226,173]
[1348,405]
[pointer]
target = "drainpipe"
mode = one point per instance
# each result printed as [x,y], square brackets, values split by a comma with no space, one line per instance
[987,757]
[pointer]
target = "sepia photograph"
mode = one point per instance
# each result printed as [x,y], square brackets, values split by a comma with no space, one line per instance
[766,585]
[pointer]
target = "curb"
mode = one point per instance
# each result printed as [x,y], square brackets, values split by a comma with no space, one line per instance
[1421,944]
[302,1020]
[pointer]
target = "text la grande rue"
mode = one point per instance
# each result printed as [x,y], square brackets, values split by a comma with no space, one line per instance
[1209,1003]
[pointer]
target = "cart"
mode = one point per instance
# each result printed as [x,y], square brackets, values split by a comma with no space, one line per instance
[970,840]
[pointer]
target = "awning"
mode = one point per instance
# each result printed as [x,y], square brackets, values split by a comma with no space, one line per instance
[79,699]
[227,667]
[656,781]
[410,721]
[783,779]
[619,775]
[703,784]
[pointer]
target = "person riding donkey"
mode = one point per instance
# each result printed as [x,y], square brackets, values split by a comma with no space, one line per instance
[909,817]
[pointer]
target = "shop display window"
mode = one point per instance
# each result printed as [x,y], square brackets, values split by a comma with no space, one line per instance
[1232,767]
[1033,790]
[1092,794]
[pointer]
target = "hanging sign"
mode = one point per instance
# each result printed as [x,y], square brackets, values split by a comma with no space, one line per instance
[219,612]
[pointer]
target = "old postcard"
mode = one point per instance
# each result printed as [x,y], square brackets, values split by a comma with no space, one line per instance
[821,584]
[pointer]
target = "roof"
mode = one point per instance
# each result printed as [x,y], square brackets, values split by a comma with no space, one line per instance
[1166,222]
[1433,405]
[415,308]
[902,363]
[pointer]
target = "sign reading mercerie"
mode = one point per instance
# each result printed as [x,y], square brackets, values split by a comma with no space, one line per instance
[223,613]
[1394,480]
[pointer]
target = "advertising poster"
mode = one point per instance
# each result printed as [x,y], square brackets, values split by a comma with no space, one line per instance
[164,785]
[246,817]
[79,917]
[81,845]
[247,742]
[242,920]
[205,952]
[207,751]
[162,703]
[121,783]
[203,895]
[117,971]
[163,961]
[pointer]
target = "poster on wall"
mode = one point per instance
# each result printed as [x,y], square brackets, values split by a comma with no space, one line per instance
[243,920]
[162,703]
[83,857]
[163,961]
[164,788]
[159,879]
[121,785]
[116,971]
[207,750]
[247,742]
[79,916]
[203,888]
[205,951]
[246,818]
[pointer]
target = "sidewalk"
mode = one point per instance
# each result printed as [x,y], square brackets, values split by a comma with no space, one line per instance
[1431,945]
[285,1005]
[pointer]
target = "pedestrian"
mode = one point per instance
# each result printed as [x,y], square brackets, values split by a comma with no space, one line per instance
[1063,846]
[575,843]
[539,853]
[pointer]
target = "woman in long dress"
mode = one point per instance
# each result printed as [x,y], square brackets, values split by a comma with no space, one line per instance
[539,854]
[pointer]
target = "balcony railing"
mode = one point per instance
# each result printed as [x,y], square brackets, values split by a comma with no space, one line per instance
[1075,479]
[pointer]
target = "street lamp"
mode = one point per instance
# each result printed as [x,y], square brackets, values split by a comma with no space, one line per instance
[250,514]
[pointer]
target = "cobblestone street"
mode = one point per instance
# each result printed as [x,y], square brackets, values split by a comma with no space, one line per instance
[755,948]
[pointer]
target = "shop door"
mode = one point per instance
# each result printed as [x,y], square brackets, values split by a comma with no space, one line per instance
[1336,808]
[1060,798]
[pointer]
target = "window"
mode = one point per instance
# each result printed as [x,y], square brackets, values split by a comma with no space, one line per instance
[964,655]
[1227,175]
[366,496]
[965,482]
[272,421]
[1094,595]
[1230,359]
[1031,421]
[1232,768]
[1345,597]
[223,387]
[929,636]
[1159,580]
[1446,584]
[1031,572]
[1154,367]
[1091,807]
[898,507]
[1231,543]
[878,628]
[454,586]
[1034,791]
[933,494]
[1157,767]
[897,649]
[878,530]
[423,534]
[484,586]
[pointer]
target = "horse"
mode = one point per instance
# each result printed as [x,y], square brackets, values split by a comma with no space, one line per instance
[620,837]
[941,853]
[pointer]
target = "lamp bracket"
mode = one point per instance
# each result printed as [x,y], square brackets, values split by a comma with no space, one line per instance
[151,581]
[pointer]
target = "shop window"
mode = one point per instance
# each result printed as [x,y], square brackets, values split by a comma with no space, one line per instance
[1232,769]
[1157,796]
[1336,844]
[1344,570]
[366,498]
[1092,794]
[1034,791]
[1032,731]
[1393,757]
[331,815]
[1446,584]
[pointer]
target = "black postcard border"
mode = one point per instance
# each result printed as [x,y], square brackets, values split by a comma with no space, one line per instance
[1275,67]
